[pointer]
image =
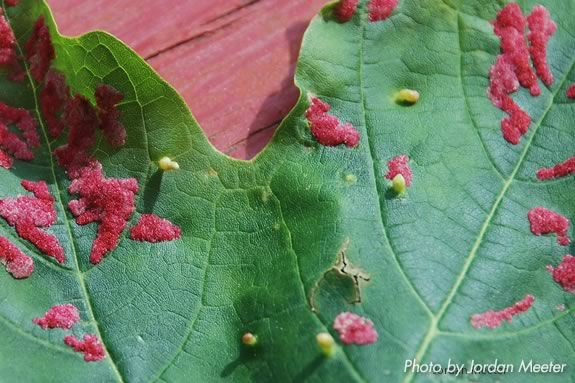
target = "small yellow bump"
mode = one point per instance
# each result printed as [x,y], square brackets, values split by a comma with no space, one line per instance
[398,184]
[167,164]
[249,339]
[326,343]
[276,226]
[407,96]
[212,172]
[350,178]
[266,194]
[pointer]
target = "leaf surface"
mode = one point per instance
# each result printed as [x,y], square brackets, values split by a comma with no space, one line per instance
[261,238]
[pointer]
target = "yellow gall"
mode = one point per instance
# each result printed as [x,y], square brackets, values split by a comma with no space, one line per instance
[167,164]
[407,96]
[326,343]
[398,184]
[249,339]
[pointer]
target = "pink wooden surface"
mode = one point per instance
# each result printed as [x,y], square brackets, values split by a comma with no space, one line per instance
[232,60]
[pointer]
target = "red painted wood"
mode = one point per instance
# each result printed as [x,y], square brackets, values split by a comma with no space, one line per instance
[232,60]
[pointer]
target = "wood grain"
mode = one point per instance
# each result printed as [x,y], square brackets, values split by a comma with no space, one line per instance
[231,60]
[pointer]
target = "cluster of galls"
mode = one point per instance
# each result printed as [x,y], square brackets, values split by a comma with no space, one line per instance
[110,202]
[378,10]
[512,67]
[65,317]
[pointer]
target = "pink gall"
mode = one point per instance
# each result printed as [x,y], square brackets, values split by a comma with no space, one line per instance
[29,214]
[59,316]
[327,129]
[560,170]
[108,201]
[564,273]
[380,10]
[151,228]
[399,165]
[53,98]
[107,97]
[12,144]
[7,43]
[17,263]
[544,221]
[39,50]
[541,28]
[82,120]
[493,319]
[511,69]
[345,10]
[90,346]
[354,329]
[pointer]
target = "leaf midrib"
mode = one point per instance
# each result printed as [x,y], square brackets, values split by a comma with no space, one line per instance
[78,272]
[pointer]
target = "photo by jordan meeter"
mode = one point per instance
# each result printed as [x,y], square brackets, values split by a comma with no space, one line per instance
[477,369]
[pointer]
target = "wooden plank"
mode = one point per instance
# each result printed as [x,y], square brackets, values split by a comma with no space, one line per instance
[232,60]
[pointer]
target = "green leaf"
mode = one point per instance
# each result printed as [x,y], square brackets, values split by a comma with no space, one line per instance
[264,241]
